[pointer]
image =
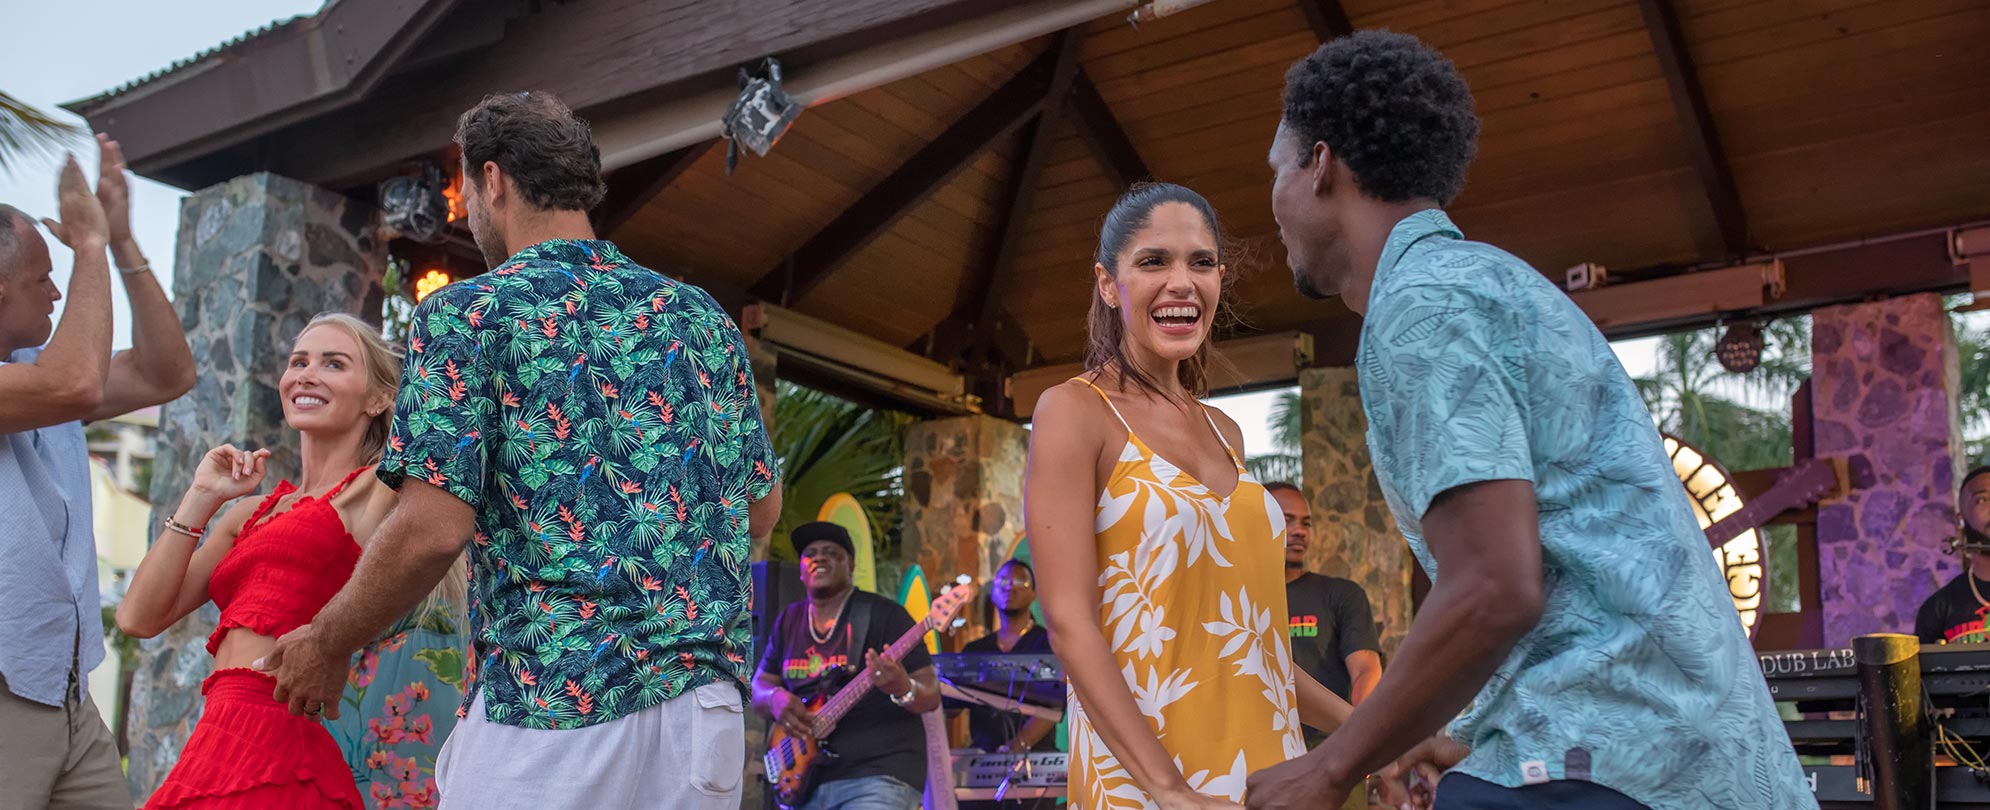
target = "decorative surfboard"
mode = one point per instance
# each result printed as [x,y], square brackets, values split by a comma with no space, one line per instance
[912,593]
[843,510]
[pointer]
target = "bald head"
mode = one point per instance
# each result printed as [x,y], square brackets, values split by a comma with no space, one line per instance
[16,227]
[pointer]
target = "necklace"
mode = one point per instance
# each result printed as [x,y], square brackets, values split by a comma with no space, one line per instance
[1969,570]
[824,637]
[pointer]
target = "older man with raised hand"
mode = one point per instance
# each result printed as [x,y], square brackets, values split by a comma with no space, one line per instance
[55,751]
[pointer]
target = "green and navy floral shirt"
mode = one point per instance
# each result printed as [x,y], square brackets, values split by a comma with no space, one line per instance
[601,419]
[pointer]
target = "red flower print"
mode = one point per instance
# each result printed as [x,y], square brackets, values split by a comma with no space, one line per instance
[404,769]
[416,691]
[362,672]
[420,729]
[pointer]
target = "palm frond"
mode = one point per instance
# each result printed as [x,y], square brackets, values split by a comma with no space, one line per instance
[1283,422]
[1274,467]
[28,132]
[829,445]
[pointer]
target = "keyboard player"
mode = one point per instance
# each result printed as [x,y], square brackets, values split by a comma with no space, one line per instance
[1012,591]
[1956,614]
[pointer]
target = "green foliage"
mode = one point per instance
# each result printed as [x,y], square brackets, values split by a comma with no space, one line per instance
[446,663]
[1282,461]
[28,132]
[829,445]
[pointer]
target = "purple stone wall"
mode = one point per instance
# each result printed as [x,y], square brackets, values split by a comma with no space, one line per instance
[1884,380]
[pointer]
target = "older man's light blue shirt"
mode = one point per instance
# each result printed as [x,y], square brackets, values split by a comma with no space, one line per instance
[1638,677]
[52,629]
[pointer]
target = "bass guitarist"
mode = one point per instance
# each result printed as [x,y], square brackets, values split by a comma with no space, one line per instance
[817,645]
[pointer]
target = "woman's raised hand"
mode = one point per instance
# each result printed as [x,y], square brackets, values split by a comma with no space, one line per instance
[228,472]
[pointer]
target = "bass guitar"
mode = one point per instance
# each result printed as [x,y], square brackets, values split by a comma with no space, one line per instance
[794,762]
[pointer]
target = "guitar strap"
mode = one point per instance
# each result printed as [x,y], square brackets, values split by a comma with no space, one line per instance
[860,628]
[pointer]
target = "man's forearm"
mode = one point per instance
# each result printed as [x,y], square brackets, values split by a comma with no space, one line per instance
[1363,677]
[158,341]
[81,345]
[1449,655]
[925,693]
[394,575]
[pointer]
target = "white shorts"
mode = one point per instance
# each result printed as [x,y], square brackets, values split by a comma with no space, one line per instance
[689,753]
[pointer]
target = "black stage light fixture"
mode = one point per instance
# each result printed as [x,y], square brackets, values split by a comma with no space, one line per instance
[761,113]
[1740,348]
[414,205]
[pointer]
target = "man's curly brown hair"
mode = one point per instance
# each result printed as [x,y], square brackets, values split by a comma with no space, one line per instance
[539,142]
[1393,109]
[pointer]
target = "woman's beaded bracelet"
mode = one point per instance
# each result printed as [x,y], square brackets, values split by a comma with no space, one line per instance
[176,526]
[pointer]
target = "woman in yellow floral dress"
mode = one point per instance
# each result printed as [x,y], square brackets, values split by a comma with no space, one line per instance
[1160,560]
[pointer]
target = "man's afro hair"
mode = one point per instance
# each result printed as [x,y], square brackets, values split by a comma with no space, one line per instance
[1393,109]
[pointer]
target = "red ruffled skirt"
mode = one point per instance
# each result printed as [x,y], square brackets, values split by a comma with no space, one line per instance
[248,752]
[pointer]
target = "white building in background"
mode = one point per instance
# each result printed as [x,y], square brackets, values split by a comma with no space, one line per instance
[121,455]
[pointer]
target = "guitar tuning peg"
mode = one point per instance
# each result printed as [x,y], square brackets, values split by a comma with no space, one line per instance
[963,579]
[958,624]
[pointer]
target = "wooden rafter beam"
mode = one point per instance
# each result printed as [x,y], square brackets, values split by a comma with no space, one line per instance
[985,293]
[1102,132]
[1327,18]
[1689,103]
[1008,108]
[633,187]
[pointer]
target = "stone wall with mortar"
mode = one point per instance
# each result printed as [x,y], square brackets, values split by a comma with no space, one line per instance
[1354,536]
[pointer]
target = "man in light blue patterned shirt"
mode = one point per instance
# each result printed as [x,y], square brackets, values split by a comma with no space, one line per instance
[55,751]
[1576,628]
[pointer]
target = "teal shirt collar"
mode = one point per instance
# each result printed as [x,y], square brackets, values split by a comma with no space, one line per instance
[1411,230]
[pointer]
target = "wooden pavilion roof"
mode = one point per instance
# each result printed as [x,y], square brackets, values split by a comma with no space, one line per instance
[1649,136]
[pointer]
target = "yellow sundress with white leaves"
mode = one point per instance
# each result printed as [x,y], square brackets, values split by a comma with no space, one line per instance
[1193,605]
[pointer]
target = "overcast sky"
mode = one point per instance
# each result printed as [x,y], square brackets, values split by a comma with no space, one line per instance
[56,52]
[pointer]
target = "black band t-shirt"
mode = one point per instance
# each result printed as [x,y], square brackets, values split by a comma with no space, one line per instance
[877,737]
[1330,620]
[1953,614]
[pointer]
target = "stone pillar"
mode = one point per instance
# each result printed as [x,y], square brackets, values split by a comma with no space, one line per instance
[1354,536]
[963,501]
[257,257]
[1884,377]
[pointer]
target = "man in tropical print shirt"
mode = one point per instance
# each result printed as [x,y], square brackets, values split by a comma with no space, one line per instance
[589,429]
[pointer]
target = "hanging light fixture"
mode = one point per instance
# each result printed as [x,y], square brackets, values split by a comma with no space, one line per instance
[1740,348]
[415,206]
[761,113]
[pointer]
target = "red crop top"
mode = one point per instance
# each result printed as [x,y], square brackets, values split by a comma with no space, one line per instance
[281,573]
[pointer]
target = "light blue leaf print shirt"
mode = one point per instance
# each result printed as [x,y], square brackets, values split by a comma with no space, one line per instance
[1474,367]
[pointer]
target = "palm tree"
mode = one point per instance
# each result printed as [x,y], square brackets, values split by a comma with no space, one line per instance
[26,131]
[829,445]
[1282,462]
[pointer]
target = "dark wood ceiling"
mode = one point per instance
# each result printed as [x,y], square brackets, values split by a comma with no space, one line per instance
[1825,120]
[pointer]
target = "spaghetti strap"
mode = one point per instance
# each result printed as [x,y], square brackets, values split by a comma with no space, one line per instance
[1115,408]
[348,480]
[1231,451]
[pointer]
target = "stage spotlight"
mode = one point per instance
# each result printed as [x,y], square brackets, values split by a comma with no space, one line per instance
[414,205]
[761,113]
[1740,348]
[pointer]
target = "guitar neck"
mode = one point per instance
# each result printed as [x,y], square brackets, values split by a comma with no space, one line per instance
[1797,490]
[847,698]
[1749,516]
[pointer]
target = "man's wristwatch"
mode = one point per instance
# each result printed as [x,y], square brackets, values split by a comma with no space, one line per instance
[901,700]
